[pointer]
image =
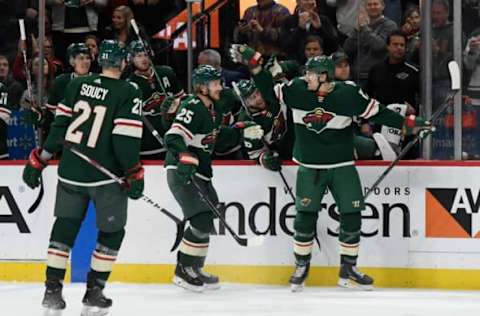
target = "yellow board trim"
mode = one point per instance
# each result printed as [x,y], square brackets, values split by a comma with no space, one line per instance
[453,279]
[26,271]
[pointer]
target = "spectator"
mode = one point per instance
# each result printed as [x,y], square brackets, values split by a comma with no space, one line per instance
[121,29]
[307,20]
[260,26]
[34,114]
[92,43]
[346,13]
[213,58]
[72,20]
[397,83]
[411,29]
[55,63]
[14,88]
[366,46]
[394,80]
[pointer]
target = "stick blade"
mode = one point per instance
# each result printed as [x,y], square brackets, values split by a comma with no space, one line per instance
[454,70]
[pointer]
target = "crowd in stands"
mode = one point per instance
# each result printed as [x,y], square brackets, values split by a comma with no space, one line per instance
[381,39]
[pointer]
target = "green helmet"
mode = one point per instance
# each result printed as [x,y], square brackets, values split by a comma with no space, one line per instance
[75,49]
[246,87]
[204,74]
[134,48]
[111,54]
[338,57]
[321,64]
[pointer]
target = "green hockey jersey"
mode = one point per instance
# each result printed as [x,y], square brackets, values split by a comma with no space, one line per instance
[227,142]
[101,117]
[5,113]
[323,125]
[153,97]
[196,129]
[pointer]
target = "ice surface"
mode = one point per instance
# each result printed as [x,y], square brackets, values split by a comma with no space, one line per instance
[22,299]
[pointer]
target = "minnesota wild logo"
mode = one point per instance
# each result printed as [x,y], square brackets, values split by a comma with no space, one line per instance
[152,104]
[317,119]
[209,141]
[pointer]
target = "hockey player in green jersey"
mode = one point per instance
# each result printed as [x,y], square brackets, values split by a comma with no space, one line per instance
[99,116]
[271,116]
[190,142]
[158,112]
[5,114]
[79,58]
[323,112]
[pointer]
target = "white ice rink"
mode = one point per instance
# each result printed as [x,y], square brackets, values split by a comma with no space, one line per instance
[23,299]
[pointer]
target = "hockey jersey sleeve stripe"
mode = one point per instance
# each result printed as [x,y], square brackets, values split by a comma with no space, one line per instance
[51,107]
[128,122]
[63,110]
[125,127]
[371,110]
[181,130]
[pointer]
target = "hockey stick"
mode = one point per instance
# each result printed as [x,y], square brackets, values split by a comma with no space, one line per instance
[455,86]
[264,142]
[147,123]
[285,183]
[180,223]
[246,242]
[141,40]
[28,78]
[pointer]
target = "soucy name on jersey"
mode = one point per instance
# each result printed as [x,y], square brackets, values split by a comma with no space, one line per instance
[93,92]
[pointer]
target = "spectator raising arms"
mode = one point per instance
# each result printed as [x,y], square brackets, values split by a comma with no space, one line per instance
[305,21]
[367,44]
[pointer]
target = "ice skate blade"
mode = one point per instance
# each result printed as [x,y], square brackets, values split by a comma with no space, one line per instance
[211,286]
[93,311]
[183,284]
[52,312]
[297,288]
[350,284]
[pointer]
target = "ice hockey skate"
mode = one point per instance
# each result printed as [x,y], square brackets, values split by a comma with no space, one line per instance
[94,302]
[188,278]
[352,278]
[210,281]
[53,301]
[297,280]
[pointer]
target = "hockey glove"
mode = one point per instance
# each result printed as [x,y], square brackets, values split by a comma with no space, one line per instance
[274,67]
[252,135]
[135,181]
[415,124]
[240,53]
[186,167]
[169,107]
[270,160]
[33,169]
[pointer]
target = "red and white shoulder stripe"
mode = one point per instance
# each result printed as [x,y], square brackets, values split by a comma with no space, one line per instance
[128,127]
[179,129]
[52,108]
[64,110]
[371,110]
[5,114]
